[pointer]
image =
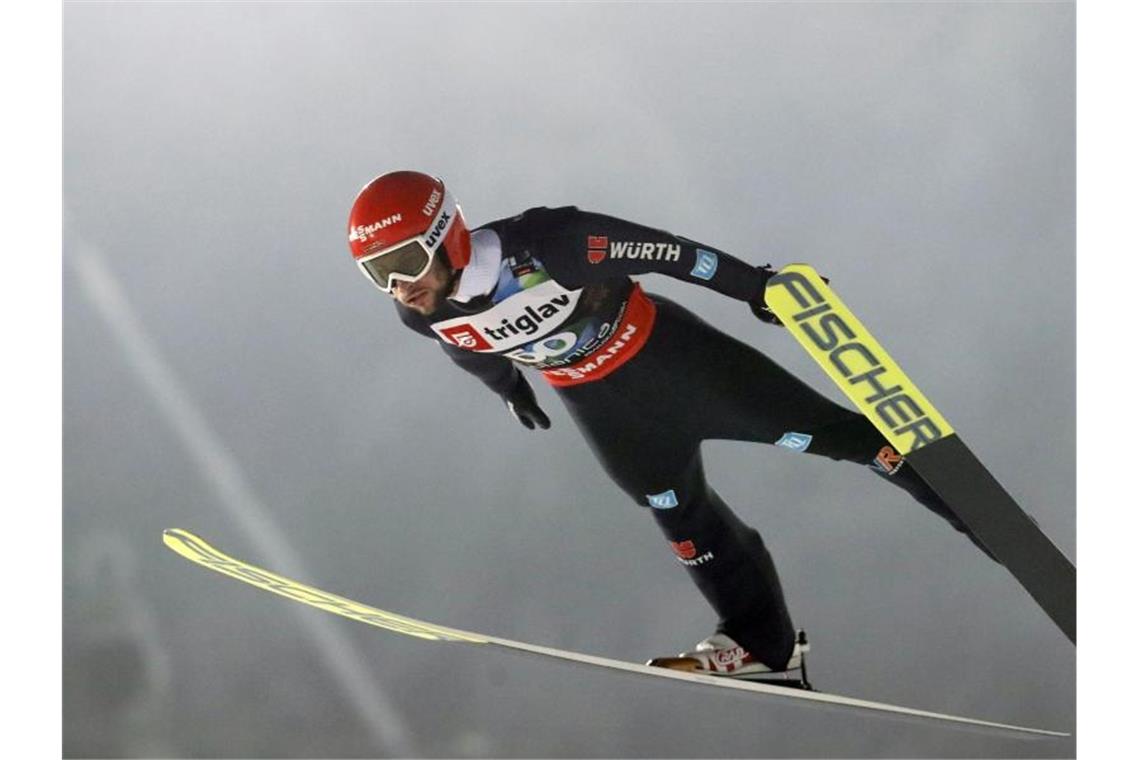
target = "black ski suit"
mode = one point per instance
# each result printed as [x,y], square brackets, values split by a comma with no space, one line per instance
[646,381]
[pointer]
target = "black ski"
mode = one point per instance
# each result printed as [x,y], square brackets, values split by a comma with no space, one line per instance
[860,366]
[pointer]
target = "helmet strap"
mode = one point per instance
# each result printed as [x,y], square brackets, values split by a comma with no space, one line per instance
[452,272]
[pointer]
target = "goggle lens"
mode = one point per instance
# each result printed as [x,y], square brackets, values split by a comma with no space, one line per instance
[410,260]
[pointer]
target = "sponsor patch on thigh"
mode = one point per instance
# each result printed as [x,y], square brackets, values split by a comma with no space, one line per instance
[887,460]
[794,441]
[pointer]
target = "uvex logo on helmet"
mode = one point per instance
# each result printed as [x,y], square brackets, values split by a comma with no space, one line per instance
[402,206]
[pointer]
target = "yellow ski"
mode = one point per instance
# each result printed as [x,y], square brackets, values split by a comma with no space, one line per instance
[861,367]
[851,356]
[198,551]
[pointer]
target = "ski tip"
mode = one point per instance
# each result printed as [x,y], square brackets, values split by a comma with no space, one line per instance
[188,545]
[177,538]
[170,536]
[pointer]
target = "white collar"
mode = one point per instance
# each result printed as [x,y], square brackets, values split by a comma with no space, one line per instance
[481,274]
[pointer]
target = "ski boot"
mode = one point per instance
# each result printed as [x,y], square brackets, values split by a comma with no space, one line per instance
[719,655]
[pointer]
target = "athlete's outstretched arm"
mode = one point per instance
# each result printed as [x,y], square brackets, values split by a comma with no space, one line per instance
[579,247]
[505,379]
[496,372]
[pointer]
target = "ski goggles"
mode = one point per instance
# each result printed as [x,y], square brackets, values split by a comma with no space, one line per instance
[409,260]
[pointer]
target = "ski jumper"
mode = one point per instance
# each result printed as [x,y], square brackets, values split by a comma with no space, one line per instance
[646,381]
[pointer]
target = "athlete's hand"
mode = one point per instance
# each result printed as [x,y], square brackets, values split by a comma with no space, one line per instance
[523,405]
[764,314]
[759,308]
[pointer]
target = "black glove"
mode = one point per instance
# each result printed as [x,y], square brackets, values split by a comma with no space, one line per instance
[759,308]
[521,401]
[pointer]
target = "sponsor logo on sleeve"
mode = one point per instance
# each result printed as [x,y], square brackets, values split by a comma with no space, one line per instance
[600,247]
[706,264]
[794,441]
[663,500]
[646,251]
[596,248]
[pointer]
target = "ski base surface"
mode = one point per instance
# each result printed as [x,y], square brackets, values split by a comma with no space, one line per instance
[200,552]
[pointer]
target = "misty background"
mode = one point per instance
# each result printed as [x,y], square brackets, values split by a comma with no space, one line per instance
[227,369]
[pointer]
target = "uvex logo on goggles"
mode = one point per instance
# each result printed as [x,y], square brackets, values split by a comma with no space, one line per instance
[436,234]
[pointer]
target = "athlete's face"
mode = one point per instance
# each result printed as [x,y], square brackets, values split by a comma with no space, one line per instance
[427,293]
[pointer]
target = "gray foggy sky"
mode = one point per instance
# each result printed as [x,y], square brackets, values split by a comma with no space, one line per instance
[919,154]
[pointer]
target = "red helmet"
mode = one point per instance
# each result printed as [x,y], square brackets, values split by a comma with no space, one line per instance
[398,222]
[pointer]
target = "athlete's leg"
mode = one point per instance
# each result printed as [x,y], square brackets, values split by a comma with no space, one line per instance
[734,570]
[658,463]
[749,397]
